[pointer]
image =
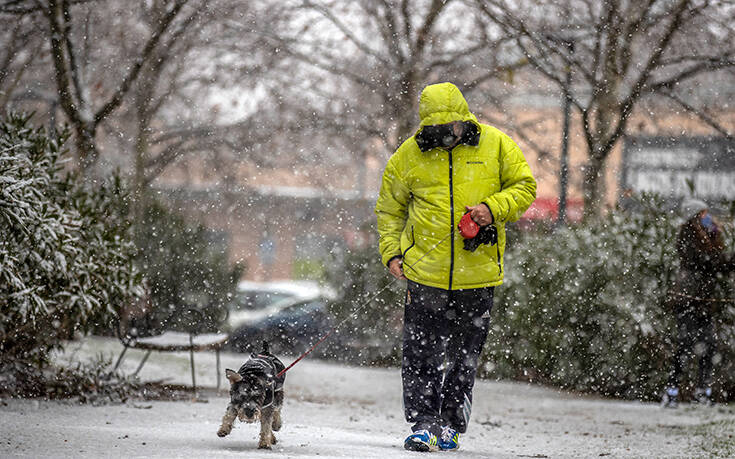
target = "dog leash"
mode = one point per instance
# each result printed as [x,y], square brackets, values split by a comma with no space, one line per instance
[333,329]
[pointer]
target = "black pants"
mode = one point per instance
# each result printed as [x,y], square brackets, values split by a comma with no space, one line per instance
[443,335]
[695,336]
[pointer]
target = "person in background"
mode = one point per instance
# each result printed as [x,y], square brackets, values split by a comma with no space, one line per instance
[702,259]
[453,170]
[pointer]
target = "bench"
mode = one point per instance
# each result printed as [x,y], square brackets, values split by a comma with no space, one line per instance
[174,341]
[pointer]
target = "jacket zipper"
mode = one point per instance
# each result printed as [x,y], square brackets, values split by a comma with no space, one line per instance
[413,242]
[451,217]
[500,268]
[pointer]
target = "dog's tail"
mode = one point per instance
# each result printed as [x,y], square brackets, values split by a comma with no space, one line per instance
[266,348]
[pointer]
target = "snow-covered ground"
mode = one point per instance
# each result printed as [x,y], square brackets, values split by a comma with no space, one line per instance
[338,411]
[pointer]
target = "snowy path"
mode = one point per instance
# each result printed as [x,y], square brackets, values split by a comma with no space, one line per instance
[337,411]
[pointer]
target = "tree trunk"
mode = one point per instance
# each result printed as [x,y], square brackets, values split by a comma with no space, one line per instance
[407,108]
[139,192]
[593,187]
[86,147]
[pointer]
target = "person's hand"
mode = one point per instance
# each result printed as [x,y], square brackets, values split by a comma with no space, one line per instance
[396,268]
[480,214]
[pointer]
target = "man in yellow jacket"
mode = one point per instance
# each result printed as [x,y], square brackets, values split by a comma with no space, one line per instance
[453,165]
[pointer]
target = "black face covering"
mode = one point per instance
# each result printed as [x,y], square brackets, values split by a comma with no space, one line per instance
[442,136]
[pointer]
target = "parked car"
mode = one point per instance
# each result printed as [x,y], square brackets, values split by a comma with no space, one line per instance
[253,298]
[253,295]
[289,314]
[290,326]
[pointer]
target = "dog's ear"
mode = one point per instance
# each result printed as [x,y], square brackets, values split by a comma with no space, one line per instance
[233,376]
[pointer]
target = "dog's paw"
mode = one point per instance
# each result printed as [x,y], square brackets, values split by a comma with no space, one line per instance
[264,445]
[273,439]
[222,432]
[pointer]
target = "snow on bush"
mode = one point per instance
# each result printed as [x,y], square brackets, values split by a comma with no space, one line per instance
[66,261]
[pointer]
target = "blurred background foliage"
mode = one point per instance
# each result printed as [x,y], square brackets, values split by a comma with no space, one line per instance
[184,268]
[584,307]
[374,334]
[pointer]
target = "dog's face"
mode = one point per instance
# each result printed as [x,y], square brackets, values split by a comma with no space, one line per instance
[247,394]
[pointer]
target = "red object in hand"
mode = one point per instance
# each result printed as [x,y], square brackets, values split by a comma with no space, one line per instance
[468,228]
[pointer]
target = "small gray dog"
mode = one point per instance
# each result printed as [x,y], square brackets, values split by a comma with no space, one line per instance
[256,393]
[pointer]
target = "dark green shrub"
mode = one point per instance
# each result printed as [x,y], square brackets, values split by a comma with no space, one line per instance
[68,265]
[584,308]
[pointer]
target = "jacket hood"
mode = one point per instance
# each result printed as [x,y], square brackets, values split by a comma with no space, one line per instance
[443,103]
[691,207]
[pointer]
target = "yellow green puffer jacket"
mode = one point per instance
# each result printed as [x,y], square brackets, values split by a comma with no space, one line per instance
[424,194]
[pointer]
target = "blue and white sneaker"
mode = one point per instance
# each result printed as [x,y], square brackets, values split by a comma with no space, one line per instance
[703,396]
[422,440]
[449,440]
[670,398]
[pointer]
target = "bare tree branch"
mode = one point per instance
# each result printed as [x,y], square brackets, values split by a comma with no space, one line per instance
[692,71]
[74,69]
[362,46]
[658,50]
[423,34]
[118,95]
[701,114]
[58,50]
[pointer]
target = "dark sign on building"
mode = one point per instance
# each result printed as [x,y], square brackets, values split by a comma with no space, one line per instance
[668,165]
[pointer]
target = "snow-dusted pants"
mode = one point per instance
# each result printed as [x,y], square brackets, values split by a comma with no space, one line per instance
[443,335]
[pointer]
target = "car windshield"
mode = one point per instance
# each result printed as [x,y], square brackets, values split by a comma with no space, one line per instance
[254,300]
[304,307]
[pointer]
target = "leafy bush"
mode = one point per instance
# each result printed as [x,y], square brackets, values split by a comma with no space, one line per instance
[583,308]
[66,261]
[68,264]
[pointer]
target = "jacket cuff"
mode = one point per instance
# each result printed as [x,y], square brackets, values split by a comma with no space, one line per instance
[387,263]
[491,212]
